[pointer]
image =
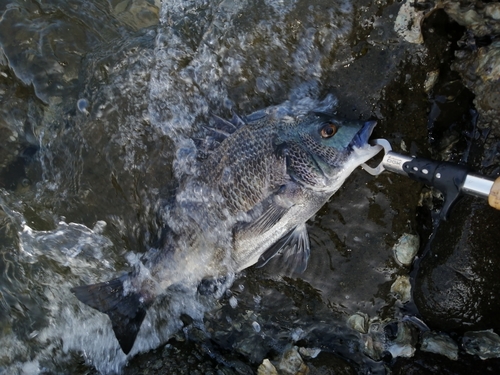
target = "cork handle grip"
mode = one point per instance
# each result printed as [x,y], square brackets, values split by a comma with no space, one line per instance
[494,197]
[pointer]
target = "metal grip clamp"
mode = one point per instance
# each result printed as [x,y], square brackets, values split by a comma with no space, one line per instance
[451,179]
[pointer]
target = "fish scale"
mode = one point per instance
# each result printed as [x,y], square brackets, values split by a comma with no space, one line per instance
[253,164]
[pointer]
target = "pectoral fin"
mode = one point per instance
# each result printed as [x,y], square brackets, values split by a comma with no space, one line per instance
[293,247]
[266,221]
[269,212]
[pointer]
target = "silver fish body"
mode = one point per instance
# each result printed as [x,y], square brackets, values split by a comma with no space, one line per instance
[259,183]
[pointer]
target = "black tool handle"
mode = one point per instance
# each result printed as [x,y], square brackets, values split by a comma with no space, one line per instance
[447,177]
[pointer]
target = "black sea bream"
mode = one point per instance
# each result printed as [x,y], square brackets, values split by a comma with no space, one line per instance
[256,186]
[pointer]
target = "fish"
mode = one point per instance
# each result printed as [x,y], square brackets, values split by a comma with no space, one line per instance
[259,179]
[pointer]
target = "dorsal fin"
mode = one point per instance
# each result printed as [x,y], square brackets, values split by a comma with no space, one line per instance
[226,127]
[237,121]
[216,132]
[218,135]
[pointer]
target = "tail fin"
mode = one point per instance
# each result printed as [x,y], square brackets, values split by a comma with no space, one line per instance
[126,311]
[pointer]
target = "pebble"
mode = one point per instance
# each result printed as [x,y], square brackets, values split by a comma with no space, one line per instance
[82,105]
[233,302]
[256,327]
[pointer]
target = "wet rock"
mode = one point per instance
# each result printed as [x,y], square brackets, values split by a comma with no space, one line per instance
[408,23]
[176,358]
[457,279]
[457,282]
[120,143]
[482,19]
[439,343]
[480,71]
[477,63]
[485,344]
[157,365]
[406,248]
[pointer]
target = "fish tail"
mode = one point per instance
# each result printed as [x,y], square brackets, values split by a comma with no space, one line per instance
[126,310]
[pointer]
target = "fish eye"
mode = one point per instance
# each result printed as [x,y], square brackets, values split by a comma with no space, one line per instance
[328,130]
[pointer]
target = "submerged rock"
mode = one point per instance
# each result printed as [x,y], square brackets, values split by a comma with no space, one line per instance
[406,248]
[403,345]
[439,343]
[485,344]
[398,338]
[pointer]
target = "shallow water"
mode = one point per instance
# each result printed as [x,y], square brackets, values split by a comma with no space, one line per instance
[99,101]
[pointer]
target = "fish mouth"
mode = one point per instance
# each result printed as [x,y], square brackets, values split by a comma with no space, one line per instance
[361,138]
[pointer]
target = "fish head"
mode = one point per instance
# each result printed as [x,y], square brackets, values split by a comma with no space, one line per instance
[323,150]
